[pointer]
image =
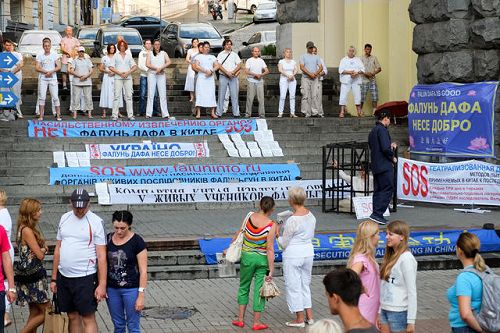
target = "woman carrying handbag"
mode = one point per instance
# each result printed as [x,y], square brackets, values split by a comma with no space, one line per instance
[257,260]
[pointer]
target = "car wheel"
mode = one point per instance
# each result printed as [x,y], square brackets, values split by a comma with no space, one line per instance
[253,9]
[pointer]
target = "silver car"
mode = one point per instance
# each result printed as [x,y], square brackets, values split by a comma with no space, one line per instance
[30,43]
[259,39]
[266,11]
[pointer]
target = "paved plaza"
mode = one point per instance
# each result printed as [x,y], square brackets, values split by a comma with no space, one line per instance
[214,305]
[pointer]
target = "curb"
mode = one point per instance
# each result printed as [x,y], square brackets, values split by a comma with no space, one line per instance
[230,31]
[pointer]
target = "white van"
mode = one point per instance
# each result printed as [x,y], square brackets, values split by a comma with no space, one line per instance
[248,5]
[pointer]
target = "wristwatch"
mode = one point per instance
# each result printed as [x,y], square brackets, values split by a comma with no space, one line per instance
[141,290]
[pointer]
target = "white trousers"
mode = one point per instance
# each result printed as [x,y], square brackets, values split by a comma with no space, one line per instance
[344,91]
[157,81]
[291,87]
[43,85]
[126,86]
[79,93]
[297,273]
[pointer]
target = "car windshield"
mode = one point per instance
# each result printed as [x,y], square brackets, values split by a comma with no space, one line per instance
[87,34]
[132,38]
[271,5]
[201,32]
[36,38]
[270,35]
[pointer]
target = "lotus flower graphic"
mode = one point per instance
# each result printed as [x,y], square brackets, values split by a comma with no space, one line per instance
[471,93]
[412,141]
[479,143]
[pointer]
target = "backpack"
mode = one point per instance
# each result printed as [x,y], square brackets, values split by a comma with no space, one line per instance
[489,315]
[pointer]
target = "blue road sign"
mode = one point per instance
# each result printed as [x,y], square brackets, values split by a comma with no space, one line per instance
[8,99]
[106,13]
[8,79]
[7,60]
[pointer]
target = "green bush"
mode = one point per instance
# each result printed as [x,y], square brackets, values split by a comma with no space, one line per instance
[269,50]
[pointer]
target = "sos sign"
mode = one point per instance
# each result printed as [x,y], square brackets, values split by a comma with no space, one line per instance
[415,180]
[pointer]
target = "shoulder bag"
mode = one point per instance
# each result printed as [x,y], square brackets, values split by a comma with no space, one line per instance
[26,269]
[217,72]
[233,253]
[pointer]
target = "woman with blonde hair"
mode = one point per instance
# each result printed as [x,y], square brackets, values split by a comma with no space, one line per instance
[325,326]
[257,261]
[32,289]
[287,68]
[398,290]
[6,222]
[298,252]
[362,261]
[465,296]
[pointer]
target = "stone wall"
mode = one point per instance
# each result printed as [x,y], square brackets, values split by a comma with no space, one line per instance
[458,41]
[292,11]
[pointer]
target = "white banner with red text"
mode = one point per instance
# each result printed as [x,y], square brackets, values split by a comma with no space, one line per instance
[195,193]
[467,182]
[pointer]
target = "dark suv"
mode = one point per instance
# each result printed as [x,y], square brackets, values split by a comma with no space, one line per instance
[110,34]
[148,26]
[176,38]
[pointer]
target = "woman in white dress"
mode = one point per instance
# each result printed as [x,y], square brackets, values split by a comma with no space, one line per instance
[157,61]
[206,65]
[108,81]
[287,68]
[189,85]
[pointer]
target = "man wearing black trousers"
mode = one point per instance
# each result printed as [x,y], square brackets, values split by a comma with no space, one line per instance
[382,165]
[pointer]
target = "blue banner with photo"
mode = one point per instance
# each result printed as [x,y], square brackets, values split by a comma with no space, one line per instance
[338,246]
[451,119]
[181,173]
[151,129]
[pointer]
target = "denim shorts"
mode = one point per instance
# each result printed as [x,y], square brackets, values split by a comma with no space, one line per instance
[395,319]
[464,329]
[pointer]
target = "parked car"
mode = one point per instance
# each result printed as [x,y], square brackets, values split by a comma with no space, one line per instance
[176,38]
[249,5]
[148,26]
[108,35]
[266,11]
[87,36]
[260,39]
[30,43]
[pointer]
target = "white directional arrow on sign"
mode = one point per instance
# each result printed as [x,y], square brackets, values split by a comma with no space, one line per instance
[8,99]
[8,60]
[8,79]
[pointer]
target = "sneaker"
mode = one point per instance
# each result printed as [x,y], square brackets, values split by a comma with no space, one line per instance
[280,115]
[308,116]
[293,116]
[131,118]
[292,324]
[309,321]
[19,114]
[381,221]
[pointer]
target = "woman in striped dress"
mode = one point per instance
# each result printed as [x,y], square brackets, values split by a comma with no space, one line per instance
[257,261]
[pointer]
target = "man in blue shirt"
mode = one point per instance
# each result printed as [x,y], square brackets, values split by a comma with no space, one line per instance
[382,165]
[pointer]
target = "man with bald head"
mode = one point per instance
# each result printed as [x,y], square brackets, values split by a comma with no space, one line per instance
[69,44]
[255,69]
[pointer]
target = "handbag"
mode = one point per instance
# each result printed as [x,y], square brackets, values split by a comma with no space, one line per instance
[233,253]
[55,321]
[28,269]
[269,290]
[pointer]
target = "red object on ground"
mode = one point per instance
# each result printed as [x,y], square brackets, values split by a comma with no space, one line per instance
[397,108]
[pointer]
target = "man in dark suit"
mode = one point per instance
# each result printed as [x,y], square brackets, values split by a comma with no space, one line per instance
[382,165]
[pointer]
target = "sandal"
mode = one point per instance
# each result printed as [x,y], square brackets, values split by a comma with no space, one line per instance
[258,327]
[213,116]
[238,323]
[341,115]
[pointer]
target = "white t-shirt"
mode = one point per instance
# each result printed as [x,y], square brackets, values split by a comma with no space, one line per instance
[232,61]
[48,62]
[287,66]
[158,60]
[122,64]
[79,237]
[6,223]
[81,66]
[257,66]
[141,62]
[400,292]
[297,235]
[349,64]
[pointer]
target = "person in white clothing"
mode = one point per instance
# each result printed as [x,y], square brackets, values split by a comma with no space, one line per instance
[398,289]
[295,238]
[6,223]
[47,64]
[17,71]
[108,81]
[189,84]
[229,70]
[255,69]
[360,184]
[205,65]
[79,270]
[123,65]
[351,70]
[287,68]
[157,61]
[81,69]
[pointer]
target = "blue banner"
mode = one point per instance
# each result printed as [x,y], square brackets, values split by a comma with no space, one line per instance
[451,119]
[153,129]
[181,173]
[338,246]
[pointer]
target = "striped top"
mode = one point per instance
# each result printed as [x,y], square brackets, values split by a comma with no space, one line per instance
[255,239]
